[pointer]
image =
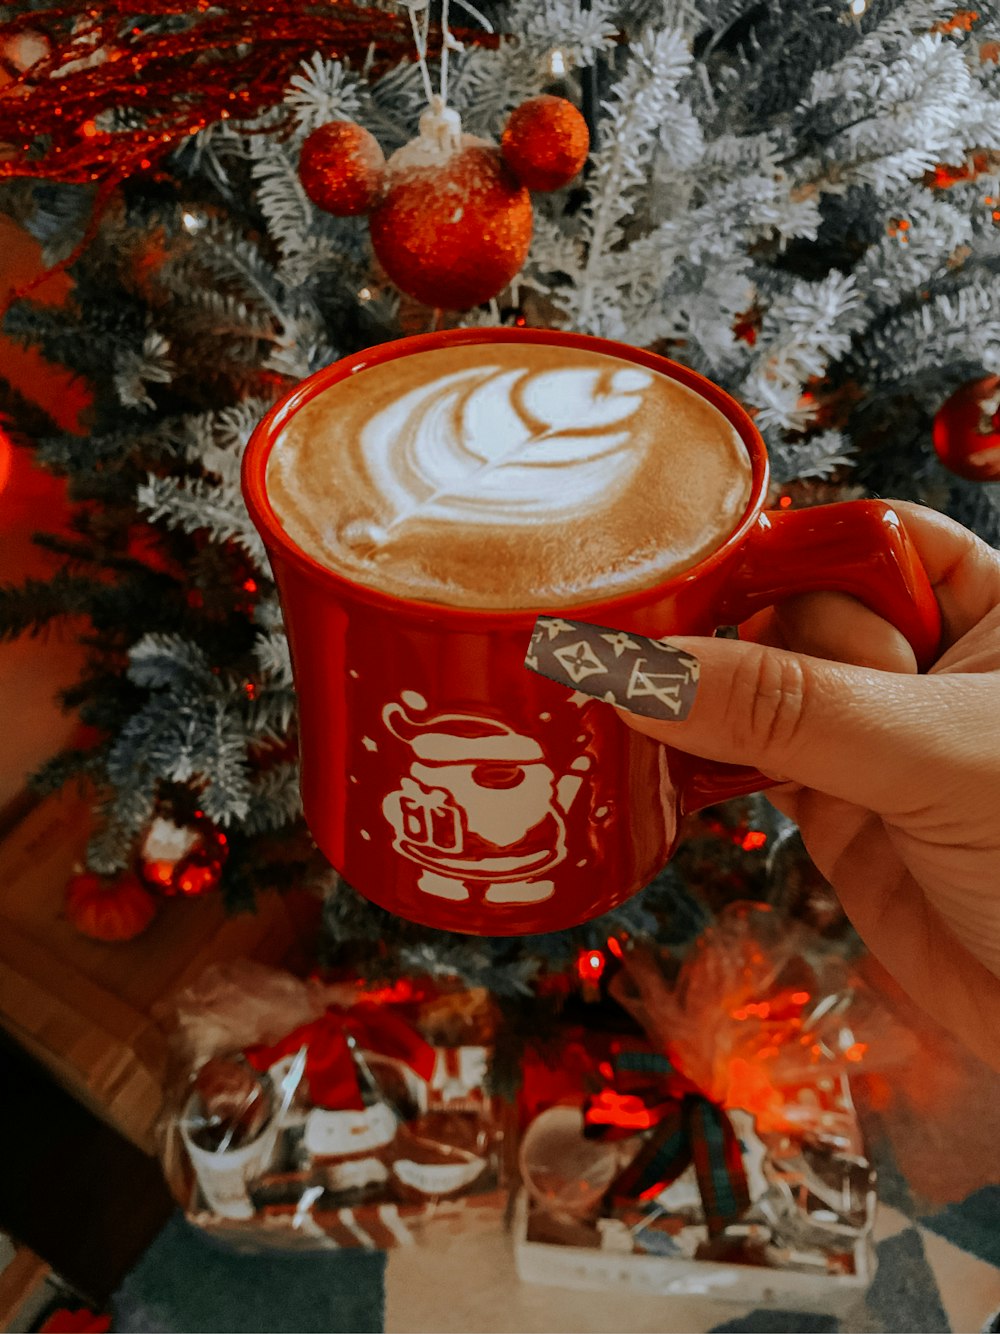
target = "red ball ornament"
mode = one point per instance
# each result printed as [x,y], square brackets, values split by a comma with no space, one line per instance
[340,168]
[183,861]
[967,431]
[108,908]
[545,142]
[454,224]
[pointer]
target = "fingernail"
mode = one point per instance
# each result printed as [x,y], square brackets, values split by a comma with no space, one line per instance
[646,676]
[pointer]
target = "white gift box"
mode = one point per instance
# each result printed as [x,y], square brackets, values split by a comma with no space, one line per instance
[593,1269]
[611,1264]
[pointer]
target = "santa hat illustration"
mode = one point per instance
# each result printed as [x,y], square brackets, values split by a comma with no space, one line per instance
[460,738]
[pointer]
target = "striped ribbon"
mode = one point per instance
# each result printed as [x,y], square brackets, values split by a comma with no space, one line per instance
[689,1128]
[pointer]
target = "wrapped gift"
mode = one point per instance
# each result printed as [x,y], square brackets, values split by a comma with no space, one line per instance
[302,1120]
[733,1163]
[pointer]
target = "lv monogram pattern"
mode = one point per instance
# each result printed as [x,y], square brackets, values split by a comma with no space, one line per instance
[647,676]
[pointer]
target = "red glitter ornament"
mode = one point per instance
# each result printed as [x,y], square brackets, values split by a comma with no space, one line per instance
[450,218]
[183,860]
[545,142]
[340,167]
[454,225]
[967,431]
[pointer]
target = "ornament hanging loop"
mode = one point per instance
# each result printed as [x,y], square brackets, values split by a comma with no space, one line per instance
[441,126]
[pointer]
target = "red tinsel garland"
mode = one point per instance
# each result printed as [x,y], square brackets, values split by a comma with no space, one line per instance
[228,60]
[222,61]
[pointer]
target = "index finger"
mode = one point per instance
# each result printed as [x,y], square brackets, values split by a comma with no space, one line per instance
[963,571]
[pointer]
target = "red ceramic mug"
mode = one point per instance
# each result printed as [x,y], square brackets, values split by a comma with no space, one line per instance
[452,786]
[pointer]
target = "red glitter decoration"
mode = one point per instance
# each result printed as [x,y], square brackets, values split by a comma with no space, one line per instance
[545,142]
[747,325]
[964,20]
[340,167]
[967,431]
[450,218]
[228,61]
[184,861]
[946,174]
[453,235]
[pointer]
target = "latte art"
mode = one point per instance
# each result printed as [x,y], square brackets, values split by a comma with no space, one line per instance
[508,475]
[499,447]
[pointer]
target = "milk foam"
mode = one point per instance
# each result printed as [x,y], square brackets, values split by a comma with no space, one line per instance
[508,474]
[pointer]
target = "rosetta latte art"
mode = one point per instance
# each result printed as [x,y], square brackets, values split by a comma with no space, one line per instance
[508,475]
[493,446]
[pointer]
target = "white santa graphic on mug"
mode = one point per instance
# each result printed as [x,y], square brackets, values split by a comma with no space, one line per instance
[480,805]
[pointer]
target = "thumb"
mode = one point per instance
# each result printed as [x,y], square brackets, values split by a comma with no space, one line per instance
[851,732]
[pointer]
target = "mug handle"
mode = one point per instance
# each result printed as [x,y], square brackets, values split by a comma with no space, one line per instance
[859,547]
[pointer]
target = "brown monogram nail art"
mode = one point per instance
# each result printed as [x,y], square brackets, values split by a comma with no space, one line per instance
[647,676]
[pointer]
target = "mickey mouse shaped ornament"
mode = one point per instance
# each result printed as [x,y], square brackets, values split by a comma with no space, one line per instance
[449,214]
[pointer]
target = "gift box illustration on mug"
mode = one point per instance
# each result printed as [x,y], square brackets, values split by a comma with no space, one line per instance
[480,805]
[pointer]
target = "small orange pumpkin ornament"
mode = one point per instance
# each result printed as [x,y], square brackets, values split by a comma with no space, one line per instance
[109,908]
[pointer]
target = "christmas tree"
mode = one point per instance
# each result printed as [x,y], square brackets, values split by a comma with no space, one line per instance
[800,202]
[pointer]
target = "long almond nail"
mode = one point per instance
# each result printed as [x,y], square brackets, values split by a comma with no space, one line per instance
[647,676]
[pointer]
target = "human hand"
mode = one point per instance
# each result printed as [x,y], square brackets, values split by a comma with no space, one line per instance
[892,777]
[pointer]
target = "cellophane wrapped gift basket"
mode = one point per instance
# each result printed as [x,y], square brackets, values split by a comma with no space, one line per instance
[314,1116]
[720,1153]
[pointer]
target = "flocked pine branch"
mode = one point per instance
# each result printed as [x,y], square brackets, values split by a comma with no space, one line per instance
[197,505]
[893,120]
[275,800]
[896,268]
[814,457]
[640,103]
[325,90]
[960,329]
[801,334]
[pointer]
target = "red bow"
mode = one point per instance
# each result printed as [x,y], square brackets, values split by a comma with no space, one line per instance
[330,1068]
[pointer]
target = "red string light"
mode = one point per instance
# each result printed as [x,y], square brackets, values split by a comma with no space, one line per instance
[590,965]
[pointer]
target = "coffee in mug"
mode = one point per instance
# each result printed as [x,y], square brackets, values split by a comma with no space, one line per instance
[509,475]
[421,502]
